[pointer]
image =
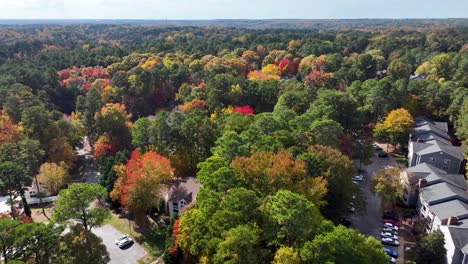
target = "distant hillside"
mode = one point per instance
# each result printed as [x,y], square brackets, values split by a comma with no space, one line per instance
[263,24]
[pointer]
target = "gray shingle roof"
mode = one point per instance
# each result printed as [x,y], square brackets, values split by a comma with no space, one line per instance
[435,175]
[459,237]
[452,208]
[436,147]
[443,192]
[184,189]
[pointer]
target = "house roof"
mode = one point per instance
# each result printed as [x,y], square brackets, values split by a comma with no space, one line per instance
[422,120]
[425,168]
[459,237]
[184,189]
[437,147]
[442,192]
[454,208]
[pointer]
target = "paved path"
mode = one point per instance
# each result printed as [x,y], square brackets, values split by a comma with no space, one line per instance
[128,255]
[369,221]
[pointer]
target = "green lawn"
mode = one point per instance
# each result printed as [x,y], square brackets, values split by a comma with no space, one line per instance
[152,239]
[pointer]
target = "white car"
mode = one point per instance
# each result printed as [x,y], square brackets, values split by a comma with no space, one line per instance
[390,241]
[392,260]
[389,235]
[123,240]
[358,178]
[388,229]
[389,225]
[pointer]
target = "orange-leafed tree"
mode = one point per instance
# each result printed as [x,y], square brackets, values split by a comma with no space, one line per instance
[139,186]
[318,79]
[9,131]
[268,172]
[395,128]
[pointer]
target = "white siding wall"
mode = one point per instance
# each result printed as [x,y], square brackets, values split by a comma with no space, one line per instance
[449,246]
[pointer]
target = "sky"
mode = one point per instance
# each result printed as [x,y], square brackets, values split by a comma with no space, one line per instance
[231,9]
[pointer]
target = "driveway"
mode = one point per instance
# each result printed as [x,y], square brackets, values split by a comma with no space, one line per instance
[128,255]
[369,220]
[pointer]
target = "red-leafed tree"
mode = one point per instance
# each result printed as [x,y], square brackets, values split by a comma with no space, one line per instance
[287,67]
[139,190]
[244,110]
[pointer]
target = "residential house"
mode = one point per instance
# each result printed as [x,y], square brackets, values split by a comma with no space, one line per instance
[425,174]
[417,77]
[456,242]
[429,142]
[181,193]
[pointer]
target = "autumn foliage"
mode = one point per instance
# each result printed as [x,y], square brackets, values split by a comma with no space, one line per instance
[318,79]
[9,131]
[194,104]
[287,67]
[261,76]
[139,186]
[244,110]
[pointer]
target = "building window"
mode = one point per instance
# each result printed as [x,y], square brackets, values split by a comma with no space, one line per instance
[182,204]
[445,167]
[424,208]
[175,207]
[446,161]
[432,159]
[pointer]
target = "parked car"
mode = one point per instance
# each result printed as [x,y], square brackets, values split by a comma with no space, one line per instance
[388,229]
[389,234]
[382,154]
[391,221]
[377,147]
[390,225]
[390,241]
[123,241]
[346,222]
[391,260]
[351,209]
[358,178]
[390,215]
[391,253]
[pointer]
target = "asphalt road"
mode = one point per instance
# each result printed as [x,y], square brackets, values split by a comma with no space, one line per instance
[128,255]
[369,220]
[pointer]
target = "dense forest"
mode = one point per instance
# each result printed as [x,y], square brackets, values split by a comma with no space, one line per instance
[268,120]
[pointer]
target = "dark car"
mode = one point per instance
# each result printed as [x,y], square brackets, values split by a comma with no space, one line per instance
[382,154]
[390,215]
[346,222]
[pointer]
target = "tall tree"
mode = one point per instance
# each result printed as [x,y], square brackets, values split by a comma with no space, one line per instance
[12,179]
[74,204]
[395,127]
[387,183]
[81,246]
[290,219]
[431,249]
[239,246]
[52,176]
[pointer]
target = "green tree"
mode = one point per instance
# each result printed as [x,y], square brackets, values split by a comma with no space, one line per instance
[240,245]
[286,255]
[37,242]
[12,179]
[74,205]
[342,246]
[7,237]
[141,134]
[290,219]
[431,249]
[81,246]
[325,132]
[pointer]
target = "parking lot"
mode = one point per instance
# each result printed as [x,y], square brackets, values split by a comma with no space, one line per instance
[369,220]
[128,255]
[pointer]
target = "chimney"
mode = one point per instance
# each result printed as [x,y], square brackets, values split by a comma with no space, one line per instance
[422,183]
[453,220]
